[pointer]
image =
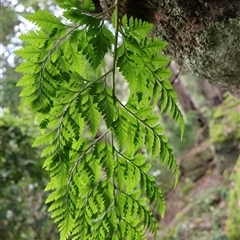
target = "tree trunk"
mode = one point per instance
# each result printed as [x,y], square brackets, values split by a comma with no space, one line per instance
[202,35]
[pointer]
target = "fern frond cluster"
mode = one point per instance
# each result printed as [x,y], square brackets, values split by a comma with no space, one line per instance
[100,183]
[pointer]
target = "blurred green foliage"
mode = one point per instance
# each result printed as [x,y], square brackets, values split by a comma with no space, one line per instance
[225,121]
[22,180]
[173,133]
[233,222]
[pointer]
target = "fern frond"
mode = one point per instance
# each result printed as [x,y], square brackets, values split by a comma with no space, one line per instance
[153,45]
[86,5]
[68,4]
[35,38]
[96,43]
[136,28]
[45,20]
[121,126]
[130,173]
[90,113]
[28,68]
[73,56]
[32,54]
[100,180]
[105,101]
[168,103]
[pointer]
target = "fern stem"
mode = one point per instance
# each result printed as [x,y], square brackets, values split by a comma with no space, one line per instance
[105,11]
[114,86]
[115,48]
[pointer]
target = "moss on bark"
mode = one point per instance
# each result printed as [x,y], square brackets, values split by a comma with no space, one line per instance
[202,35]
[233,221]
[225,134]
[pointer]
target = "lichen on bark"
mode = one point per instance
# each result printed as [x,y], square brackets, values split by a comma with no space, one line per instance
[217,56]
[202,35]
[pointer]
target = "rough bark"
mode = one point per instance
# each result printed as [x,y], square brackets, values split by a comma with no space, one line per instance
[202,35]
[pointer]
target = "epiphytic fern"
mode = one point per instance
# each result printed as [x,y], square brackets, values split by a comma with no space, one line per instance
[99,181]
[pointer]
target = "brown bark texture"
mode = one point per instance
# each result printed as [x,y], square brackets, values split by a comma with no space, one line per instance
[203,35]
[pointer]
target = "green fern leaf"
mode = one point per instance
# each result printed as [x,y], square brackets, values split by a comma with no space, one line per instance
[28,68]
[73,56]
[45,20]
[32,54]
[26,80]
[45,139]
[88,5]
[68,3]
[66,227]
[137,29]
[104,99]
[35,38]
[153,45]
[104,152]
[121,128]
[152,120]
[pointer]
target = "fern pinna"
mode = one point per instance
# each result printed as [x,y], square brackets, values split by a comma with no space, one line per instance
[99,181]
